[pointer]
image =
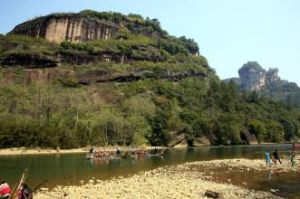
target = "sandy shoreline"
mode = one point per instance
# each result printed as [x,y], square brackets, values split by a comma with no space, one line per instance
[37,151]
[189,180]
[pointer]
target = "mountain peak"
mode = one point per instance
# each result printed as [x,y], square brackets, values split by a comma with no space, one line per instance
[253,77]
[252,67]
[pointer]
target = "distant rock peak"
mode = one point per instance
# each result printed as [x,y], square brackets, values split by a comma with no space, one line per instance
[251,66]
[253,77]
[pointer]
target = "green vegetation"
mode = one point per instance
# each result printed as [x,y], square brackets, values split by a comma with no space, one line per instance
[284,91]
[51,107]
[135,47]
[52,113]
[139,47]
[23,44]
[134,22]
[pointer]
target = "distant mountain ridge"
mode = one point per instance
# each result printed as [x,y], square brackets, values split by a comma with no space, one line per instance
[253,77]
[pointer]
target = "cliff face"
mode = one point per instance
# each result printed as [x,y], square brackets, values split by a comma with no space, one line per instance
[67,27]
[254,78]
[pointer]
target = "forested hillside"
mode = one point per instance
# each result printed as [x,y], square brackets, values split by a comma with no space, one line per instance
[148,88]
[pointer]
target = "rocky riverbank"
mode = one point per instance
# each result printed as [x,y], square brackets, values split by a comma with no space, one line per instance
[247,165]
[190,180]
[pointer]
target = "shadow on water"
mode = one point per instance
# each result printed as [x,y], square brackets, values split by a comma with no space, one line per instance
[66,169]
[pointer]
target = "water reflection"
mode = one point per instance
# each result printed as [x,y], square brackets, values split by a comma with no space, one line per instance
[270,176]
[71,168]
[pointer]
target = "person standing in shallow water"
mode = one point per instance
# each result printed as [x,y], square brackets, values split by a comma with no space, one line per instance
[276,157]
[268,159]
[118,151]
[292,157]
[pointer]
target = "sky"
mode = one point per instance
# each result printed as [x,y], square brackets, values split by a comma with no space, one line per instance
[229,32]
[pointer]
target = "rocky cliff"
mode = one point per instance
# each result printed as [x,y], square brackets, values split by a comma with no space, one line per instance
[97,60]
[253,77]
[67,27]
[90,37]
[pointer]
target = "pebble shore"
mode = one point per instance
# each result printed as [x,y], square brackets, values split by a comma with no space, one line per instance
[181,181]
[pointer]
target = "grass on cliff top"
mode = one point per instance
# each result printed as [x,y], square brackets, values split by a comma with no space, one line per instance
[138,47]
[21,43]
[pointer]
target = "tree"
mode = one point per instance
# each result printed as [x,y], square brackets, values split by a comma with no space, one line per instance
[289,129]
[275,131]
[258,128]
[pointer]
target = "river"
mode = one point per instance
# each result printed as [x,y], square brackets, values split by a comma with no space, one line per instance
[70,169]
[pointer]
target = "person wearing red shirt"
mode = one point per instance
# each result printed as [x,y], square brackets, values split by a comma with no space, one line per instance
[5,190]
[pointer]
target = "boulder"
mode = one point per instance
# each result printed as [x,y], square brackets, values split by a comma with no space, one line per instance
[201,141]
[212,194]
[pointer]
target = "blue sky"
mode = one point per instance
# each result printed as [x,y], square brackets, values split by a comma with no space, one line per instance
[229,32]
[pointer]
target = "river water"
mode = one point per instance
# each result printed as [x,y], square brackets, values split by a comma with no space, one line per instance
[70,169]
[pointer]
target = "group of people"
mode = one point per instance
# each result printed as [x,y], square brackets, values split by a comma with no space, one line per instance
[275,157]
[24,192]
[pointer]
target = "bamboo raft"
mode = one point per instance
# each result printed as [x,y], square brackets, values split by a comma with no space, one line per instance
[296,146]
[136,154]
